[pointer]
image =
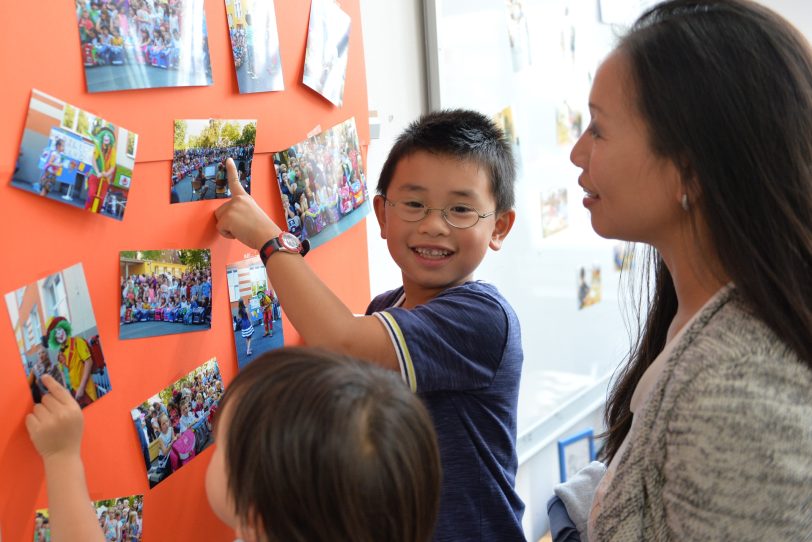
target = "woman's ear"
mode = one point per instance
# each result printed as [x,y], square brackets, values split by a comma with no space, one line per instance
[504,222]
[379,203]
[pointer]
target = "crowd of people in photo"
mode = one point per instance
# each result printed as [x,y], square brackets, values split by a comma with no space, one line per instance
[193,162]
[184,299]
[120,520]
[320,182]
[118,32]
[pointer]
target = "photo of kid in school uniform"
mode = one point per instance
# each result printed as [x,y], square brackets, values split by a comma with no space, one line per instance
[201,148]
[56,335]
[175,424]
[164,292]
[143,44]
[120,519]
[328,39]
[323,184]
[255,45]
[255,312]
[74,157]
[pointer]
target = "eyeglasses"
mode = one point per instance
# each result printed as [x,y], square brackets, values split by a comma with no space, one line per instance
[457,215]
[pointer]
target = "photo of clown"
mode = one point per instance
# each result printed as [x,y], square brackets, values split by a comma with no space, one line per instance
[56,334]
[75,157]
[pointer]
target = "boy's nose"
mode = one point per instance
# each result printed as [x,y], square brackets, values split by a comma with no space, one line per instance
[434,223]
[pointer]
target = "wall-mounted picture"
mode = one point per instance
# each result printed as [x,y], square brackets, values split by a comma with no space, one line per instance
[175,424]
[328,39]
[120,519]
[164,292]
[201,149]
[575,453]
[255,45]
[504,119]
[256,316]
[323,184]
[590,290]
[74,157]
[554,211]
[623,256]
[132,44]
[56,334]
[568,124]
[518,34]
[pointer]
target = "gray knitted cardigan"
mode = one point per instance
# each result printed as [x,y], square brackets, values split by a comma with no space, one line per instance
[723,449]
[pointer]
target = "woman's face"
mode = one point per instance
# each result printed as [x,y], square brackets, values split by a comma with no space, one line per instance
[631,193]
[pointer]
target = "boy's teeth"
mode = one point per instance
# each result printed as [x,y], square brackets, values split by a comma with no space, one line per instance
[432,252]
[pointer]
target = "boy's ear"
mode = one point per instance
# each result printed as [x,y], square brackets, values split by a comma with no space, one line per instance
[504,222]
[379,203]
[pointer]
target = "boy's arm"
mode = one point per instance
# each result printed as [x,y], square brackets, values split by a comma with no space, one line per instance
[55,427]
[318,315]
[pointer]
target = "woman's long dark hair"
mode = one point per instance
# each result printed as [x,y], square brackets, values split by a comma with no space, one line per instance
[725,87]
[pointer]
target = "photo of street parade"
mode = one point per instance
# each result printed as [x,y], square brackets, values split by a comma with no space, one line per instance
[201,149]
[164,292]
[175,424]
[255,45]
[74,157]
[322,184]
[120,520]
[254,308]
[133,44]
[56,333]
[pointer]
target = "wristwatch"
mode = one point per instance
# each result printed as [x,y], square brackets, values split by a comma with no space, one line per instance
[286,242]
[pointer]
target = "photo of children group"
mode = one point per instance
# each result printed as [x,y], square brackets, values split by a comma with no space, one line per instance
[175,424]
[253,304]
[120,519]
[74,157]
[164,292]
[323,184]
[255,45]
[554,211]
[201,150]
[328,39]
[56,334]
[130,44]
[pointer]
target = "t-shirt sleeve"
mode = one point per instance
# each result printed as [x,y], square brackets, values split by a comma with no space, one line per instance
[454,342]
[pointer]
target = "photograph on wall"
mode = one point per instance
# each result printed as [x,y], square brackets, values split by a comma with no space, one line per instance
[175,424]
[56,334]
[328,38]
[554,211]
[132,44]
[164,292]
[568,124]
[256,316]
[518,34]
[199,161]
[323,184]
[120,519]
[589,288]
[255,45]
[575,453]
[623,256]
[74,157]
[504,120]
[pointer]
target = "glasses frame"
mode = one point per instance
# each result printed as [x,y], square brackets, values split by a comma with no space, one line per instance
[443,212]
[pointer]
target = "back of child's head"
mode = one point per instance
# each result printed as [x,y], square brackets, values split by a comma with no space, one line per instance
[320,446]
[464,135]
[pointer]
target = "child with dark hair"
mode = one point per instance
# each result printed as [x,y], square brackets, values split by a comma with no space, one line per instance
[445,196]
[352,454]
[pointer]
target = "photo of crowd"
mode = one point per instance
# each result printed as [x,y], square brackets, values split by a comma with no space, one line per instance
[120,520]
[323,184]
[201,149]
[255,45]
[175,424]
[56,334]
[328,39]
[74,157]
[132,44]
[554,211]
[253,305]
[164,292]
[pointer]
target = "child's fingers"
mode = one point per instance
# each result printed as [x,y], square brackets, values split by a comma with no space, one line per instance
[32,424]
[56,390]
[234,179]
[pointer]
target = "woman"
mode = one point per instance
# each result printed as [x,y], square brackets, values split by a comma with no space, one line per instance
[700,145]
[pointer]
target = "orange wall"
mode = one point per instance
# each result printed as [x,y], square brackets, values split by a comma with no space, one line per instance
[39,48]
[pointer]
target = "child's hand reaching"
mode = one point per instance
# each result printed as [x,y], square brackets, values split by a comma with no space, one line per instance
[55,425]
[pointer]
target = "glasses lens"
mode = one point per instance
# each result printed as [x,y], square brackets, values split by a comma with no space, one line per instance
[410,211]
[461,216]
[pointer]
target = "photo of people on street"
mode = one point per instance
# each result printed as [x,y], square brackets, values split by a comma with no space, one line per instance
[255,45]
[120,520]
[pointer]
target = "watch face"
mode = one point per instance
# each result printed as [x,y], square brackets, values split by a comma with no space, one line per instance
[290,241]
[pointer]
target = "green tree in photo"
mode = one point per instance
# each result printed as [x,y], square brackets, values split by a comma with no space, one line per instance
[180,135]
[249,134]
[230,134]
[196,259]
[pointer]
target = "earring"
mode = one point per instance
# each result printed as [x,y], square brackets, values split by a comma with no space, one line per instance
[684,202]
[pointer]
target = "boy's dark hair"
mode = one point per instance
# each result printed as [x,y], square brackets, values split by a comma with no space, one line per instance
[461,134]
[325,447]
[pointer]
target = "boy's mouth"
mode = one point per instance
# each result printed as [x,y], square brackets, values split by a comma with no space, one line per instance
[432,253]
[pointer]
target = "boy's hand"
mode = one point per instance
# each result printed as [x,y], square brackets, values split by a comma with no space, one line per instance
[240,217]
[55,425]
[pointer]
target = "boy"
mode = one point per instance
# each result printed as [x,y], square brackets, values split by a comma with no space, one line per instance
[445,196]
